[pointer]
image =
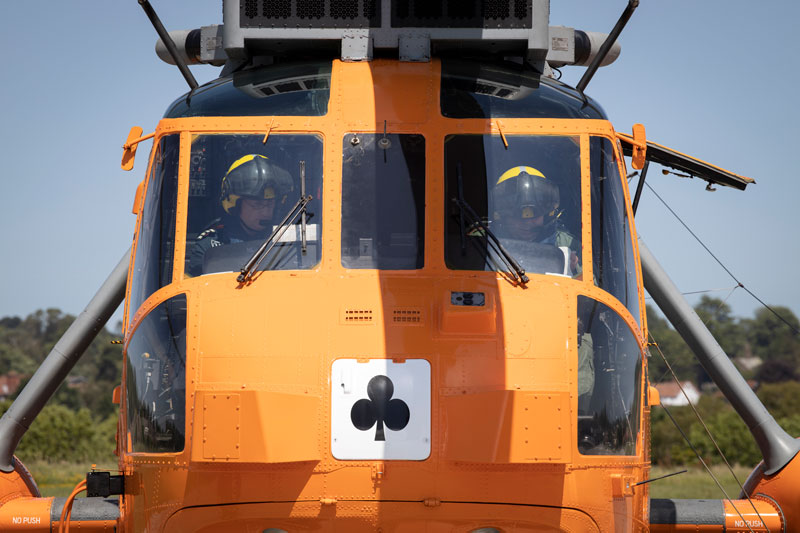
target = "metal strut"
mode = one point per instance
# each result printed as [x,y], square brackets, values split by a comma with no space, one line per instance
[777,447]
[607,44]
[169,43]
[67,351]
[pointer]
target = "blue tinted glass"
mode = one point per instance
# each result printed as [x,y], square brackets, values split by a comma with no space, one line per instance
[482,90]
[612,242]
[383,201]
[528,195]
[227,224]
[155,379]
[609,381]
[289,90]
[152,268]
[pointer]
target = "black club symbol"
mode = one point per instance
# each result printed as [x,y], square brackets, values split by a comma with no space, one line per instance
[380,408]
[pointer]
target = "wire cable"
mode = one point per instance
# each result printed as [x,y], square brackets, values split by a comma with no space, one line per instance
[689,293]
[740,284]
[721,303]
[710,436]
[66,512]
[710,473]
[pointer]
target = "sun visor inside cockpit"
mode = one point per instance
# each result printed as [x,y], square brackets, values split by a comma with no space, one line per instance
[690,165]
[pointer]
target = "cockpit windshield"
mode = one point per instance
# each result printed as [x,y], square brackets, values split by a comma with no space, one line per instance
[383,201]
[527,195]
[293,89]
[484,90]
[240,188]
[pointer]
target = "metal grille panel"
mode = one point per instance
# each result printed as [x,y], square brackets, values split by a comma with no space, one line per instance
[404,13]
[344,9]
[276,9]
[305,13]
[310,9]
[462,13]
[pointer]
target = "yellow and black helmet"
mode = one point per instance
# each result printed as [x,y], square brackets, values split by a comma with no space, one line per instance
[254,176]
[524,192]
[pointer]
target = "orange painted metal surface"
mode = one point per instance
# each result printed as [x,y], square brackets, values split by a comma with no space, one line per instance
[33,514]
[130,146]
[26,514]
[781,489]
[411,517]
[757,515]
[17,484]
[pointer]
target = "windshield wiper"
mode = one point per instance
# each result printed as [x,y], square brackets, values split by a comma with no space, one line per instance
[299,209]
[491,239]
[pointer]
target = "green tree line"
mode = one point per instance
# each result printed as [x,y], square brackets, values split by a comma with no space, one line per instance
[763,336]
[79,422]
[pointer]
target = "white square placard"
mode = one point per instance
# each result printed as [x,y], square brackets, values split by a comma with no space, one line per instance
[381,409]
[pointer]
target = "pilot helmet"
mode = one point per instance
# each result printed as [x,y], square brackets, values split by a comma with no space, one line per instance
[254,176]
[524,192]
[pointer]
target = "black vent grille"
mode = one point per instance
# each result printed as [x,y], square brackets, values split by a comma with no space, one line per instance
[310,9]
[305,13]
[407,316]
[250,8]
[495,10]
[522,9]
[358,316]
[370,9]
[462,14]
[405,13]
[276,9]
[344,9]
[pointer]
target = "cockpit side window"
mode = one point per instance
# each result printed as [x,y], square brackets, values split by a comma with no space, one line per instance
[527,195]
[152,267]
[241,190]
[155,379]
[383,201]
[609,381]
[612,242]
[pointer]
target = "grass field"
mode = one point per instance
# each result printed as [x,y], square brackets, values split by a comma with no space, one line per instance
[58,479]
[697,483]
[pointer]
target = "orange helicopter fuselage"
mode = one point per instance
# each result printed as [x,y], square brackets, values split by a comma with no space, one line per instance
[263,358]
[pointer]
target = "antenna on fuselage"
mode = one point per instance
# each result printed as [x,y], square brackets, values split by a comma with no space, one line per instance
[609,42]
[169,43]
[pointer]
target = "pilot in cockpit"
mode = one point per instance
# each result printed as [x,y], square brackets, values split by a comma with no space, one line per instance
[526,208]
[254,191]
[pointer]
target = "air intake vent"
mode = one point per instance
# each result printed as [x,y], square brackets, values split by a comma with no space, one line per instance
[277,9]
[406,316]
[415,30]
[488,14]
[317,13]
[358,316]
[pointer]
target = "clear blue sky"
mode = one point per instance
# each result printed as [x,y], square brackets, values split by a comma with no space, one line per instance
[712,78]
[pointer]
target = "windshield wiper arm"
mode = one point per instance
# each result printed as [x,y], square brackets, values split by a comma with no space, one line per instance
[303,246]
[263,250]
[491,239]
